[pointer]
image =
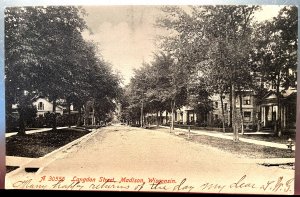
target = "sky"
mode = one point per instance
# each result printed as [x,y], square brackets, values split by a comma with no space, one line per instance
[126,34]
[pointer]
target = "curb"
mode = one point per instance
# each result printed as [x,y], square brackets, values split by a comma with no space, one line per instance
[67,146]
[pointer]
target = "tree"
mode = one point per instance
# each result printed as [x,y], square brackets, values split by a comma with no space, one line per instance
[170,82]
[158,86]
[275,55]
[42,38]
[18,55]
[220,35]
[47,55]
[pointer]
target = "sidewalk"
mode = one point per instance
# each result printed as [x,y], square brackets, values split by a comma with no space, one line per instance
[34,131]
[229,137]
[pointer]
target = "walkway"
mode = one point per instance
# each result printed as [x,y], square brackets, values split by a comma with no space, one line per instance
[34,131]
[226,136]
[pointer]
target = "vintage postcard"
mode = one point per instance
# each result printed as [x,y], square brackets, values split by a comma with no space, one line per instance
[151,98]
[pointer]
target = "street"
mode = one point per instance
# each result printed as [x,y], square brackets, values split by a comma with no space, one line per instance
[134,159]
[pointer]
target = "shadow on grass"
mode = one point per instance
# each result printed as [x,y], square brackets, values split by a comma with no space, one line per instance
[272,138]
[39,144]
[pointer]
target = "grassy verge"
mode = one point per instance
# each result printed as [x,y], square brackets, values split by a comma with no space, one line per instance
[39,144]
[271,138]
[239,148]
[264,137]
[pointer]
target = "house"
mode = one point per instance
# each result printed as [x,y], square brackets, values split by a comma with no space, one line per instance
[184,115]
[249,109]
[286,113]
[187,115]
[43,105]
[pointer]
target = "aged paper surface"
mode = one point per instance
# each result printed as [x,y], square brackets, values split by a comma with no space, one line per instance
[109,84]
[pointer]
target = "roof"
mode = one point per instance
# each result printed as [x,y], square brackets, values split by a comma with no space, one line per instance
[58,106]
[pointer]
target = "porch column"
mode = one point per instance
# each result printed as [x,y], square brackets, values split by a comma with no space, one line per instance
[263,116]
[283,116]
[228,119]
[194,121]
[167,117]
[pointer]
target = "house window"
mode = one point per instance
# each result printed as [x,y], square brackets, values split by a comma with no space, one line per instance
[41,106]
[273,86]
[247,100]
[225,106]
[216,117]
[216,104]
[247,116]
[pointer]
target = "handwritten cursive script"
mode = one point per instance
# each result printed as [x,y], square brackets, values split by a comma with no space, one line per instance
[242,184]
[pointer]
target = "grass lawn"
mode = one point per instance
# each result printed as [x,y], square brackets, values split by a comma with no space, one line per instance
[239,148]
[39,144]
[271,138]
[264,137]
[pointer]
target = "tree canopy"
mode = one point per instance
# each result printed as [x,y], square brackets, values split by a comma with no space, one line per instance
[47,55]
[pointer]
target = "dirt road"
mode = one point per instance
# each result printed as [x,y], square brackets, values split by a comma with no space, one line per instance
[134,159]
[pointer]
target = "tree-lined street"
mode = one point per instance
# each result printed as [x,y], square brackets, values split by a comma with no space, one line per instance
[214,97]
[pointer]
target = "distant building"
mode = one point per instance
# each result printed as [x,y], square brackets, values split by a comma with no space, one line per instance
[187,115]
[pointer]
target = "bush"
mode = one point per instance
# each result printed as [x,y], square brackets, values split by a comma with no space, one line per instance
[217,123]
[12,123]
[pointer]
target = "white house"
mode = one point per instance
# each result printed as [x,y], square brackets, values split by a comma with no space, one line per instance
[44,106]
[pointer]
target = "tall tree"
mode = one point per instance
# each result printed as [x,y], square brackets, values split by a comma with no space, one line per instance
[171,82]
[48,35]
[275,54]
[221,34]
[47,54]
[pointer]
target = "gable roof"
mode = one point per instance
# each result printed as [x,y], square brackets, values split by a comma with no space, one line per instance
[45,99]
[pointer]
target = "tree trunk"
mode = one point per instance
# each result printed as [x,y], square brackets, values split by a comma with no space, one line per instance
[234,119]
[230,106]
[157,121]
[142,115]
[21,123]
[223,116]
[79,117]
[242,114]
[69,114]
[172,114]
[167,118]
[160,118]
[278,121]
[54,115]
